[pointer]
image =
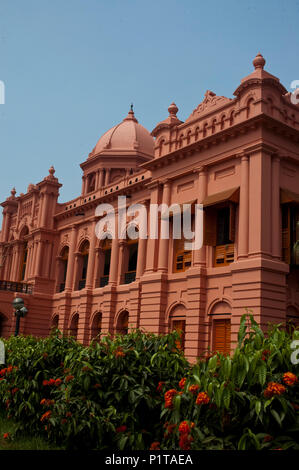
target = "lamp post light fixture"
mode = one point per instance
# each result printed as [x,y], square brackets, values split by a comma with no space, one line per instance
[19,311]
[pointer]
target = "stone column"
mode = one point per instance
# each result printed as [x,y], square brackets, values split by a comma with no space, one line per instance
[164,243]
[101,182]
[91,258]
[152,243]
[71,260]
[121,274]
[276,227]
[40,209]
[83,185]
[199,258]
[114,256]
[141,257]
[45,212]
[243,233]
[96,184]
[107,176]
[39,258]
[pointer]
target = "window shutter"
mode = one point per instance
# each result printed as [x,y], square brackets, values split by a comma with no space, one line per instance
[222,333]
[210,227]
[232,222]
[179,325]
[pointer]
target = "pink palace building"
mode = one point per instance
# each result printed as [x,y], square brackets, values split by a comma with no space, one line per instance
[238,157]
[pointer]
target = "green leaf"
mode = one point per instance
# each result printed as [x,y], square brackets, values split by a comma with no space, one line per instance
[276,416]
[122,442]
[258,406]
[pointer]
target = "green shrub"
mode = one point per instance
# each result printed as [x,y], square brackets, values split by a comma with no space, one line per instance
[233,404]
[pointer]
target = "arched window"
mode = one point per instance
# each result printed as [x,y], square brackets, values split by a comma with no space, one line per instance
[196,133]
[63,263]
[222,122]
[161,147]
[55,322]
[249,107]
[83,264]
[177,322]
[74,326]
[123,323]
[221,327]
[96,326]
[205,129]
[189,136]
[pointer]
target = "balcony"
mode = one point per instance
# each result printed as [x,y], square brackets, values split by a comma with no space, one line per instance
[130,277]
[16,287]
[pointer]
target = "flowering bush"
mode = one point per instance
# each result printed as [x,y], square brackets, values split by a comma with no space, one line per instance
[247,401]
[137,391]
[91,397]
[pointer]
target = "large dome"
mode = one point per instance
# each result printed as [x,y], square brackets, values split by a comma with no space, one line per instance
[126,137]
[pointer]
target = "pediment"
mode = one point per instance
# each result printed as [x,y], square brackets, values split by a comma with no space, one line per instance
[210,103]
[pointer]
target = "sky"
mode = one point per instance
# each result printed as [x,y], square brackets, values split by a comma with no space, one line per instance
[71,69]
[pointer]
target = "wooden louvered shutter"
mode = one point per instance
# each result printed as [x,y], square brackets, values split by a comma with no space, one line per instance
[232,222]
[210,227]
[179,325]
[286,234]
[222,336]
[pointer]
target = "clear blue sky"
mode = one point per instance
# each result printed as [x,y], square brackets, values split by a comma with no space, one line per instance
[72,68]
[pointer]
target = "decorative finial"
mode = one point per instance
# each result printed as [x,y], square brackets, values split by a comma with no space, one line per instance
[132,107]
[173,109]
[51,171]
[259,61]
[13,192]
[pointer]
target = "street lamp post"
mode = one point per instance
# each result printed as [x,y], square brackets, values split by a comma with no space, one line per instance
[20,311]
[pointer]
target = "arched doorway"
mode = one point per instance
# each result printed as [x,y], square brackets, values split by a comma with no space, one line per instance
[221,327]
[74,326]
[96,326]
[177,322]
[63,263]
[122,323]
[55,322]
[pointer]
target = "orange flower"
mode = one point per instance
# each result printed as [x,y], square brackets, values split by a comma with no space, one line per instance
[155,446]
[182,382]
[58,382]
[184,428]
[160,386]
[268,438]
[43,401]
[14,390]
[185,441]
[274,388]
[6,435]
[119,353]
[289,378]
[97,385]
[193,389]
[68,414]
[202,398]
[46,416]
[69,378]
[169,398]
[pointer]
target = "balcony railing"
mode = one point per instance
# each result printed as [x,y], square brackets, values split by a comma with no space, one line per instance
[16,287]
[130,277]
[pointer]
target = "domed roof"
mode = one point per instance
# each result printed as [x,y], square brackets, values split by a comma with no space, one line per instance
[126,137]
